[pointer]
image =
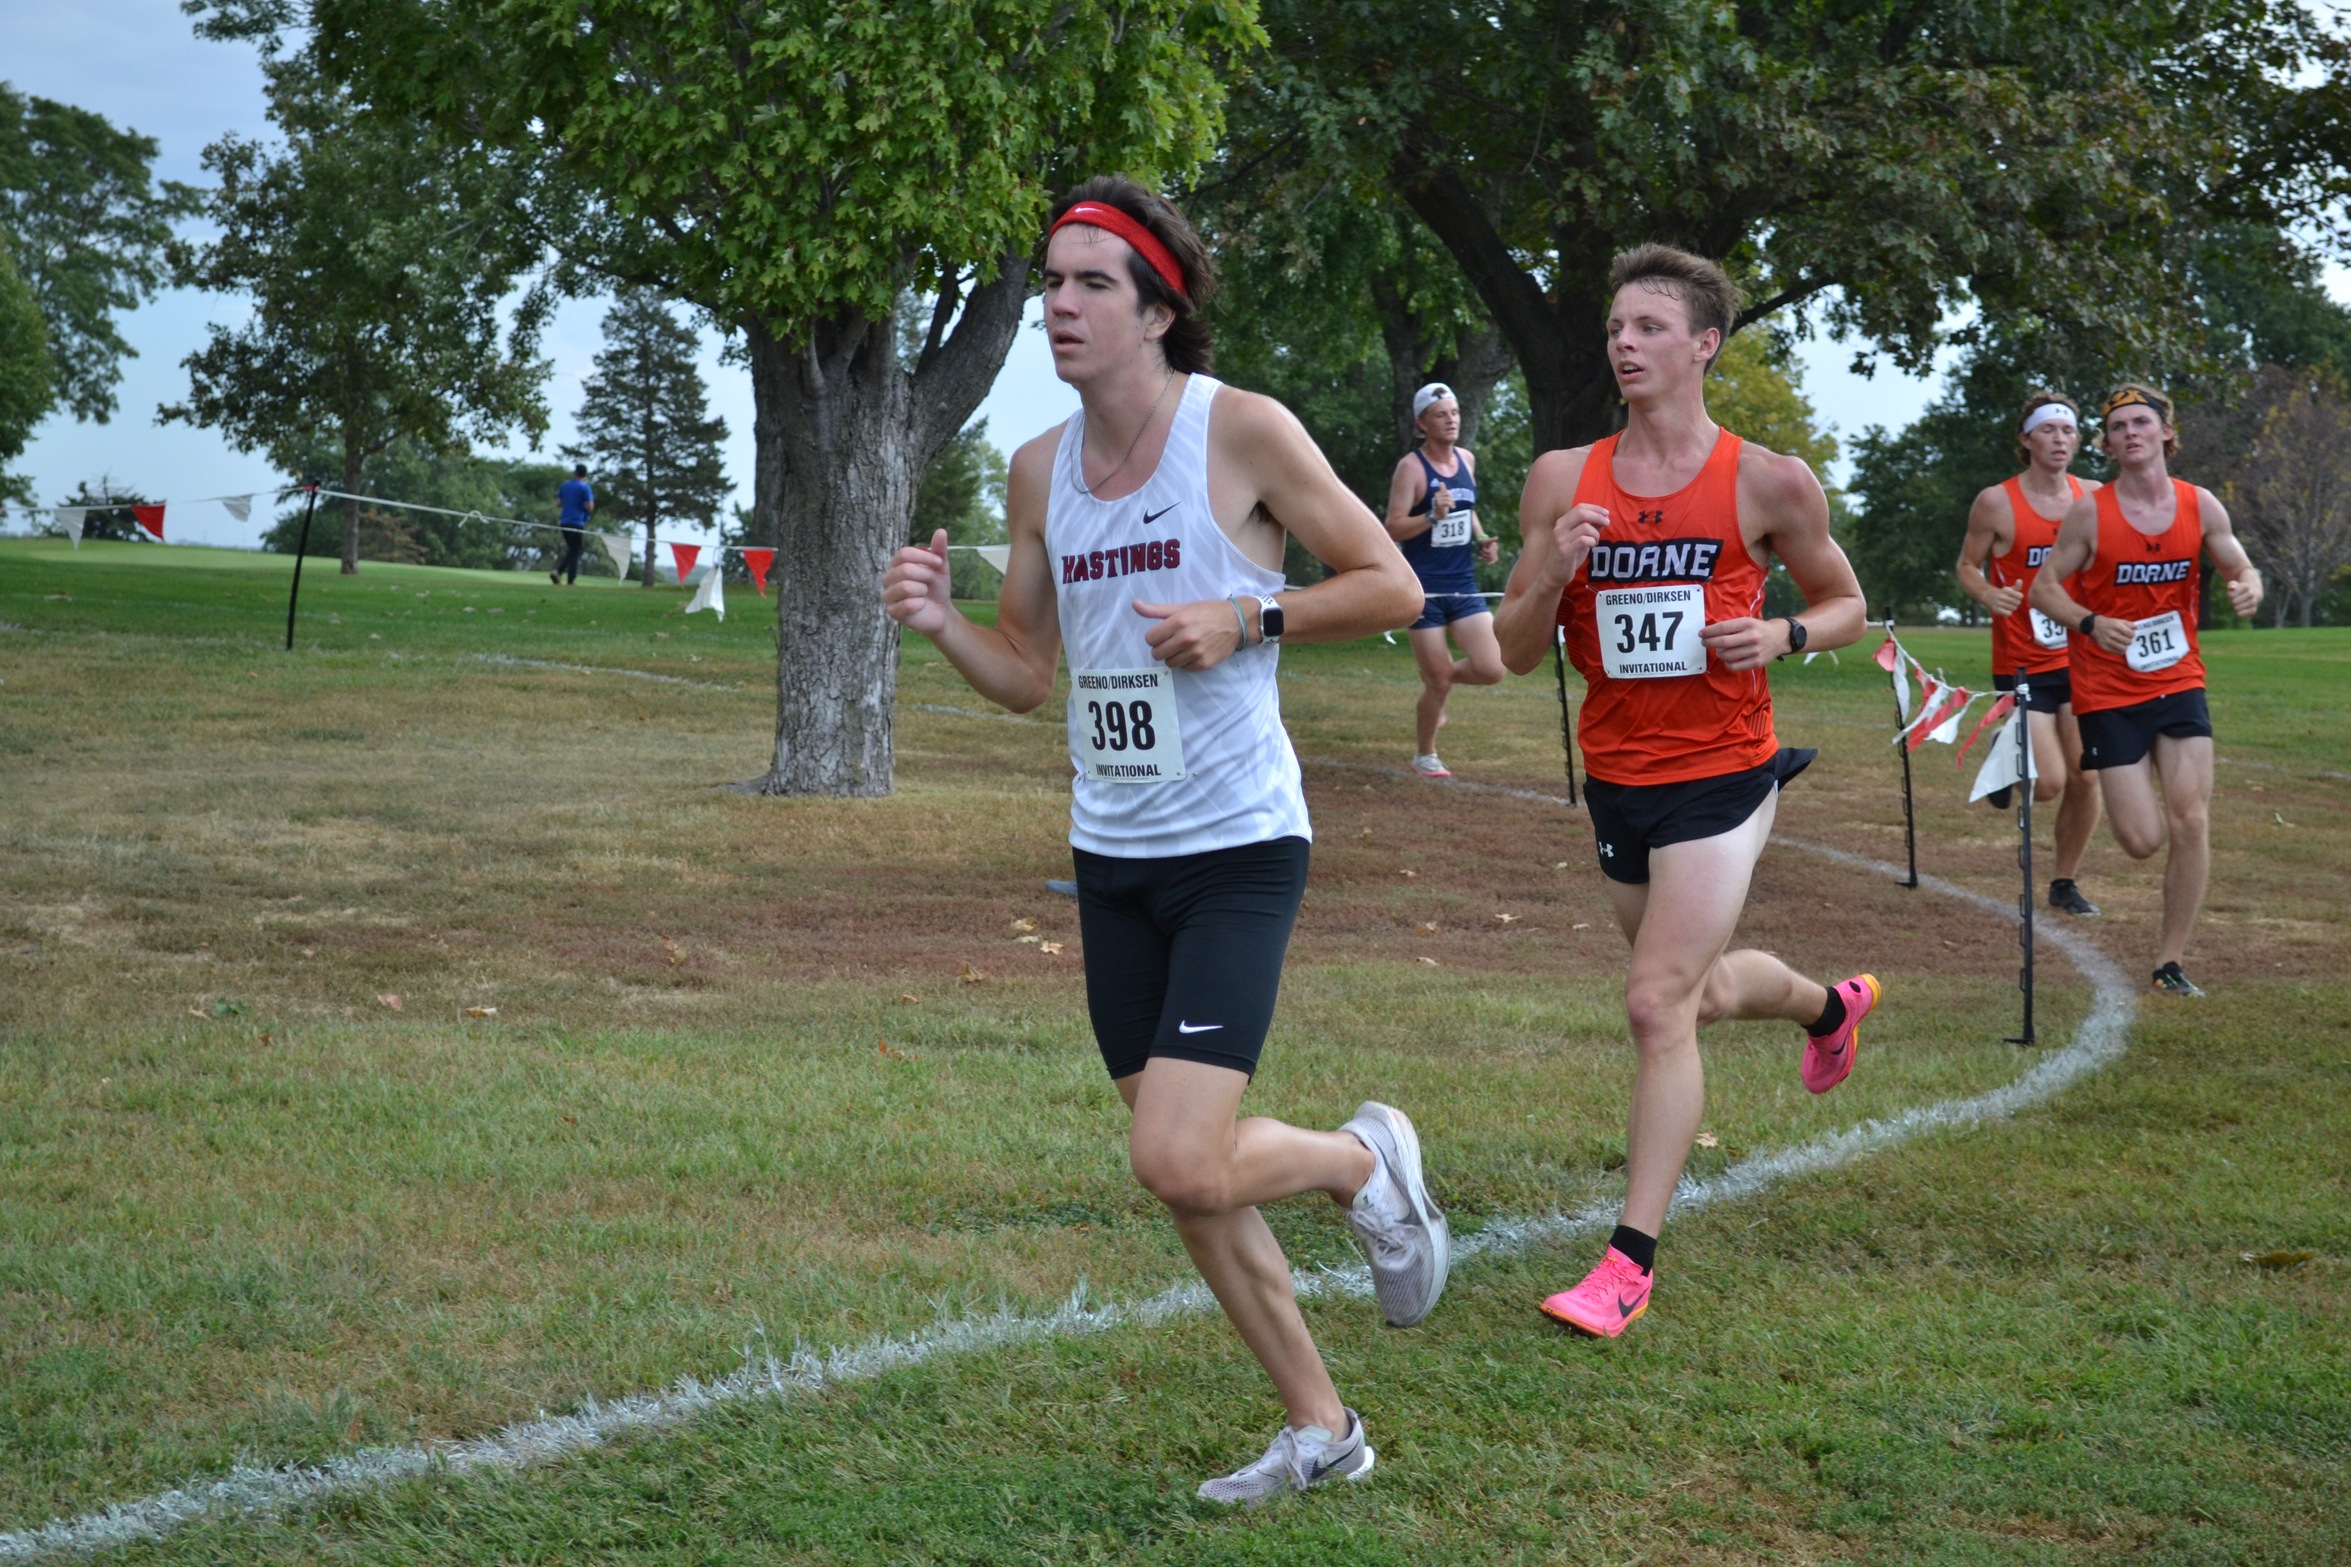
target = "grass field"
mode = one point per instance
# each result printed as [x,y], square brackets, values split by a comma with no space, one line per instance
[783,1072]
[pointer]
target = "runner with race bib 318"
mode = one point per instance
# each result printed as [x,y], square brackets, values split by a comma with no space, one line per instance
[1649,547]
[2129,555]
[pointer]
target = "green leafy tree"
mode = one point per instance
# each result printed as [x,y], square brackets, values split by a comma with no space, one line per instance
[1867,165]
[1757,390]
[377,260]
[28,376]
[86,224]
[646,427]
[795,167]
[106,510]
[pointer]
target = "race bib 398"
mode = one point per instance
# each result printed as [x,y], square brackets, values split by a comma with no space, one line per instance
[1123,726]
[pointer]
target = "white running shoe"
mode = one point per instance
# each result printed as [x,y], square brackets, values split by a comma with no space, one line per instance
[1429,767]
[1405,1238]
[1300,1458]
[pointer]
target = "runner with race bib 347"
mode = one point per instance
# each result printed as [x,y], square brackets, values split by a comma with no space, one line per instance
[2129,555]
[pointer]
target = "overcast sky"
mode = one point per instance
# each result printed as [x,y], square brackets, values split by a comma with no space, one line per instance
[138,63]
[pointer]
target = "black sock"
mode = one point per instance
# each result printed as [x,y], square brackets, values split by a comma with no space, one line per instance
[1832,1016]
[1641,1248]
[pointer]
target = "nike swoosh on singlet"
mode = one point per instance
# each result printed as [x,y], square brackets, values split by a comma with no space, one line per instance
[1151,517]
[1198,1028]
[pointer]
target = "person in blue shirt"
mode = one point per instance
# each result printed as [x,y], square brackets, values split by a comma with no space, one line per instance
[1432,516]
[579,504]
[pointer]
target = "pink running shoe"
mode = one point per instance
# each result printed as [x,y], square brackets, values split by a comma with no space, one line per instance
[1828,1057]
[1605,1304]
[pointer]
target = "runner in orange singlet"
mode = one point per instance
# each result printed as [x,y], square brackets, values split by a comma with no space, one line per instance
[1650,547]
[2122,578]
[2009,531]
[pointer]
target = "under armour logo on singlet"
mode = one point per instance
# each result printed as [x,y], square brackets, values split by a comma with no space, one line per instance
[2153,544]
[1647,518]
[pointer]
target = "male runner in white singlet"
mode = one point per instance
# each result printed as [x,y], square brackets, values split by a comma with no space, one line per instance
[1147,538]
[2010,530]
[2122,578]
[1649,548]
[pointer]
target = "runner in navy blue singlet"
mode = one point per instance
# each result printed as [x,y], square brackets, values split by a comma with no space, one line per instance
[1432,516]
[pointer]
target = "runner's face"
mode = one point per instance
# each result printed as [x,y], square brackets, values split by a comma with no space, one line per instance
[1442,422]
[1094,318]
[2135,434]
[2052,446]
[1650,345]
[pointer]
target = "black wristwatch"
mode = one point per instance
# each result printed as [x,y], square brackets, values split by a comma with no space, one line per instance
[1797,635]
[2083,629]
[1269,619]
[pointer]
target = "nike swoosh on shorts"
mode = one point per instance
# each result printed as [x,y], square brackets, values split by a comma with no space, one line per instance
[1198,1028]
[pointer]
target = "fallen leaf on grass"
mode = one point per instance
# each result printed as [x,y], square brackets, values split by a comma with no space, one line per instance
[390,1000]
[882,1047]
[2282,822]
[1408,874]
[1023,927]
[1560,865]
[677,954]
[2279,1259]
[972,976]
[1430,929]
[571,1120]
[1506,919]
[1051,949]
[481,1011]
[1365,833]
[1708,1140]
[1431,962]
[1581,925]
[195,1011]
[1028,941]
[907,999]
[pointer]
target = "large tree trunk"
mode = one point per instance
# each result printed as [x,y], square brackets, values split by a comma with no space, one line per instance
[351,462]
[844,433]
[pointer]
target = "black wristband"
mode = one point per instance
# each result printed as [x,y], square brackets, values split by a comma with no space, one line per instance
[2084,628]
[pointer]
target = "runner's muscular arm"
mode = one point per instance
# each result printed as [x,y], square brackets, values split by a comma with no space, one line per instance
[2076,549]
[1259,455]
[1991,524]
[1781,493]
[2228,553]
[1009,663]
[1404,494]
[1558,535]
[1489,547]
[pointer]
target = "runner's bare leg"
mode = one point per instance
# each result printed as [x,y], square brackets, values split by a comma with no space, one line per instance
[2077,811]
[2186,769]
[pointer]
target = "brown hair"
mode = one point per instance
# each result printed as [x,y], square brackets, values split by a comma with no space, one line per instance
[2042,399]
[1186,342]
[1704,289]
[2131,394]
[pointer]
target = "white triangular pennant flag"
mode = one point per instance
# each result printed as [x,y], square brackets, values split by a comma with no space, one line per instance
[70,519]
[238,506]
[1947,732]
[617,546]
[1999,769]
[712,595]
[996,555]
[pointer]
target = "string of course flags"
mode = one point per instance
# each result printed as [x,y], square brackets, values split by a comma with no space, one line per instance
[1942,704]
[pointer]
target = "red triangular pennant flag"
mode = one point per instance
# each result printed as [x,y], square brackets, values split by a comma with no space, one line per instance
[2000,710]
[759,561]
[684,555]
[1887,655]
[150,518]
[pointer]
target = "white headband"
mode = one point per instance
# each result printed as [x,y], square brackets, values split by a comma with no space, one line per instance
[2047,413]
[1434,392]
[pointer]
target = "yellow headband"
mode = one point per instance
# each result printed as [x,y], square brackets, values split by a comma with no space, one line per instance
[2131,396]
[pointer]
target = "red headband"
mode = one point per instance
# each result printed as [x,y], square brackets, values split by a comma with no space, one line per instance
[1095,214]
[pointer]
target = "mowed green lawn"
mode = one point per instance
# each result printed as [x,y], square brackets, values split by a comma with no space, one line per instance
[785,1072]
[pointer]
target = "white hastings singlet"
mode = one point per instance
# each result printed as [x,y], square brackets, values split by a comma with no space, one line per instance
[1224,775]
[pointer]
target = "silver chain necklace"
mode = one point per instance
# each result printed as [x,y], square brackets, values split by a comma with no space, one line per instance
[1088,489]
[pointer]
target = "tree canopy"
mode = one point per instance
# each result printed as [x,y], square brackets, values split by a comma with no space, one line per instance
[28,386]
[646,430]
[378,260]
[86,224]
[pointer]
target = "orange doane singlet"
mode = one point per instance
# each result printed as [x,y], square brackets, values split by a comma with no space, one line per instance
[2026,636]
[2149,579]
[1661,709]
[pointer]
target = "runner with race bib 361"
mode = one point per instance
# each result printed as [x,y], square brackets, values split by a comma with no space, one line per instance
[1147,537]
[1649,548]
[2129,554]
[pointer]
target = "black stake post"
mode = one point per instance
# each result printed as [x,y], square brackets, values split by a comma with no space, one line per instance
[2024,853]
[1566,725]
[1909,810]
[301,549]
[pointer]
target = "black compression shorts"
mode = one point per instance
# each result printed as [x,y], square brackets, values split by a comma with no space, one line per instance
[2119,736]
[2052,689]
[1184,954]
[1629,820]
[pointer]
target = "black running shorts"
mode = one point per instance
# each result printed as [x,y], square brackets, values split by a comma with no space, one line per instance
[2052,689]
[2120,736]
[1629,820]
[1184,954]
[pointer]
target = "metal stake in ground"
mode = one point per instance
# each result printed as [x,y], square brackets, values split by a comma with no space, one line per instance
[2024,851]
[1566,726]
[1909,810]
[301,548]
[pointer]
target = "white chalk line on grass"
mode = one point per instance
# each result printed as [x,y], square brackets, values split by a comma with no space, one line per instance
[251,1489]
